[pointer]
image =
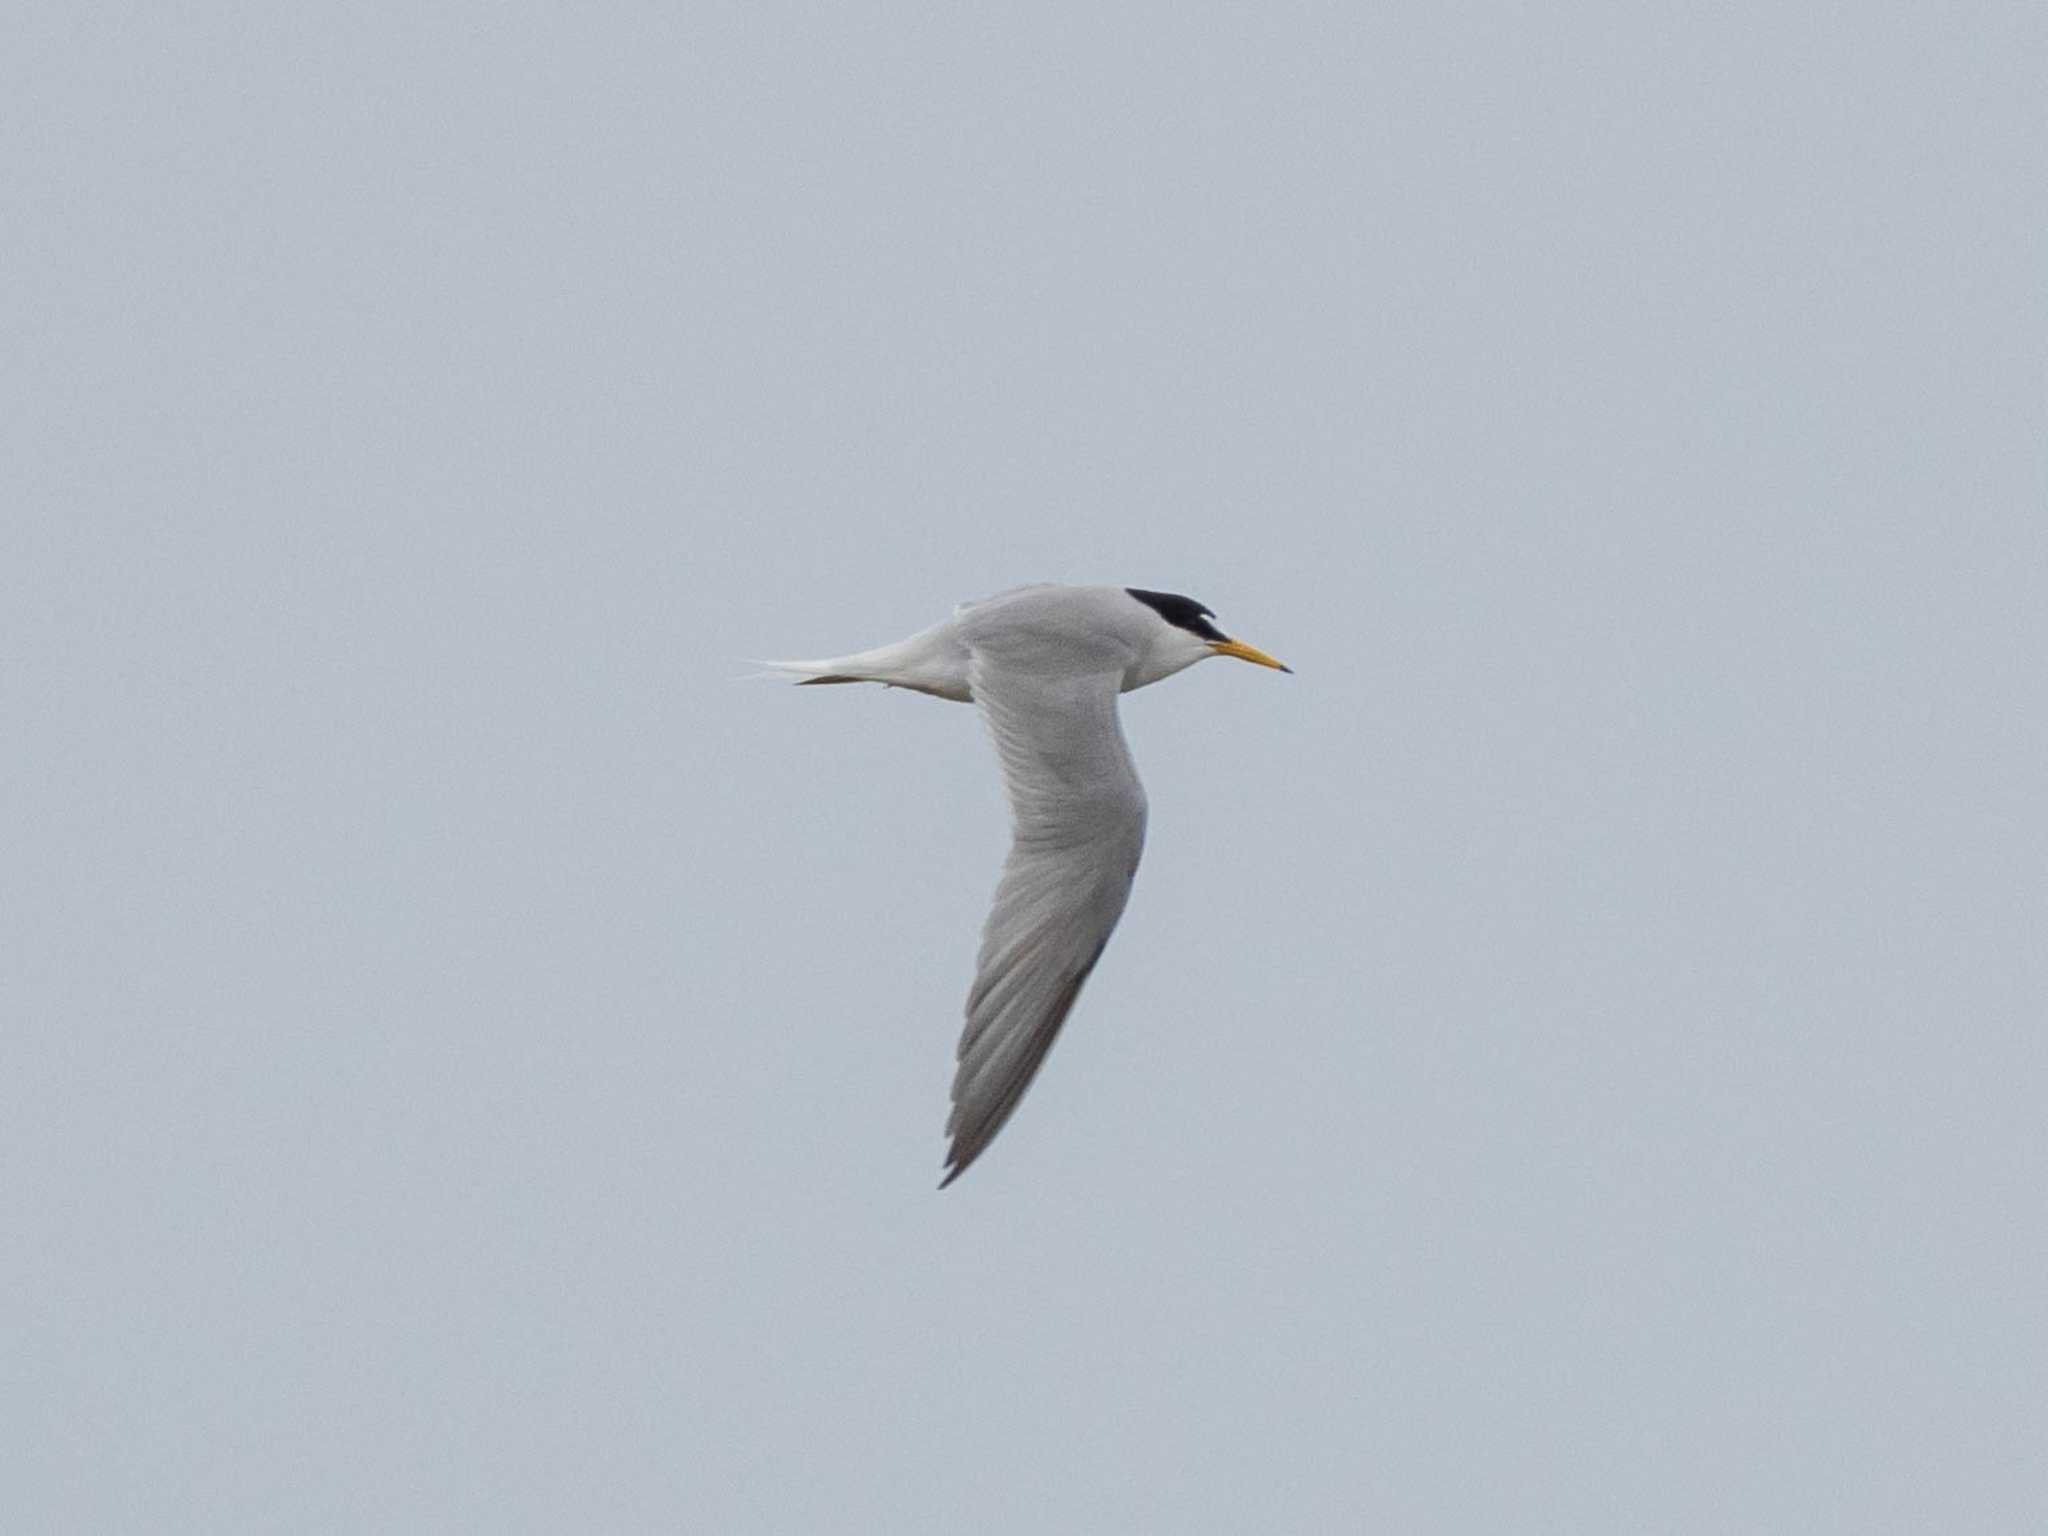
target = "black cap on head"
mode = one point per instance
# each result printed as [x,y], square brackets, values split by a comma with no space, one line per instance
[1182,612]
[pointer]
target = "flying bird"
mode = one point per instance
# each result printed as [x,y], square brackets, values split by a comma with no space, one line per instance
[1044,665]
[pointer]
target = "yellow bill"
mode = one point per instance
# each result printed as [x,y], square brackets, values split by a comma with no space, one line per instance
[1250,653]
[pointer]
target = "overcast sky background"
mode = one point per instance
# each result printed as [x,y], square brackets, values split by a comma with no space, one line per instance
[1574,1057]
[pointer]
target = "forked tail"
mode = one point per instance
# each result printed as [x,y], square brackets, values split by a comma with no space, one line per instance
[932,661]
[807,672]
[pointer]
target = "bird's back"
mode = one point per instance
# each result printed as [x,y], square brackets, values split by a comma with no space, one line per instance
[1054,630]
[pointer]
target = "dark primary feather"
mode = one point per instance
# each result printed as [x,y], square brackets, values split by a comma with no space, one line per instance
[970,1140]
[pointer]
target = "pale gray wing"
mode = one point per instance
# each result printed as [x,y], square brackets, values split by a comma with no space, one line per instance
[1079,816]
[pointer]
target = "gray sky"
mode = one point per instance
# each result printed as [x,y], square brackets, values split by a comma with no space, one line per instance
[1574,1058]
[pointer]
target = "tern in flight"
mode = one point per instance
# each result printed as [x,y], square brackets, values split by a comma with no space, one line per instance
[1044,665]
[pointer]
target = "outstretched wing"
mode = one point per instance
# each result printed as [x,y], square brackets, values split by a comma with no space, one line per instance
[1079,816]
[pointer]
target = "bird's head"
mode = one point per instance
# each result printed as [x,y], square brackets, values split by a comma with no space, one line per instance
[1183,632]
